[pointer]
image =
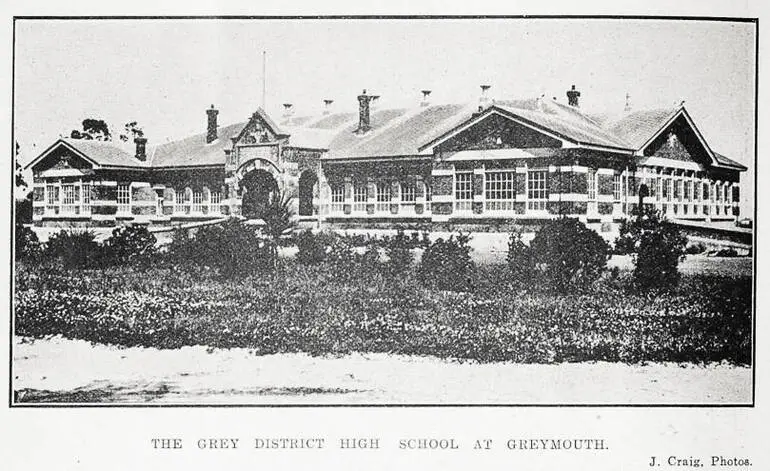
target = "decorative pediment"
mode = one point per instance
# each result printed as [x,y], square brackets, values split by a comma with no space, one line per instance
[498,132]
[61,158]
[679,141]
[259,130]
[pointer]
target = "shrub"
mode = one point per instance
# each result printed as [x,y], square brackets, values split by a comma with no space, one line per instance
[399,251]
[694,249]
[26,244]
[567,255]
[74,249]
[129,244]
[311,248]
[232,248]
[519,260]
[447,265]
[657,245]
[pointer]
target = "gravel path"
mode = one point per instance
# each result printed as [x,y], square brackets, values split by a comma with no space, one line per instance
[44,371]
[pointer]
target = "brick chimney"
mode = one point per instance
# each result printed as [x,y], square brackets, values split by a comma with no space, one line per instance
[484,100]
[211,130]
[287,112]
[141,148]
[425,98]
[572,97]
[363,113]
[328,106]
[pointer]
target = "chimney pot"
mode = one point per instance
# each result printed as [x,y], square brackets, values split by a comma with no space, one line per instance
[484,100]
[211,130]
[327,106]
[573,97]
[141,148]
[425,98]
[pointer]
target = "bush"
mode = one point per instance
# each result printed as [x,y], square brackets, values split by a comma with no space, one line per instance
[312,248]
[694,249]
[129,244]
[26,244]
[565,254]
[657,245]
[447,265]
[231,248]
[519,259]
[399,251]
[74,249]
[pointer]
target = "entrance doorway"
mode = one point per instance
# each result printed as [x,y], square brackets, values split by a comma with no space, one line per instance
[258,186]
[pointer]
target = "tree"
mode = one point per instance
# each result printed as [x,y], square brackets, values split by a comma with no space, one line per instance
[93,129]
[278,218]
[132,131]
[20,183]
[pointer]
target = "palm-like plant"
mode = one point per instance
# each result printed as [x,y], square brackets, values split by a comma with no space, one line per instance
[278,220]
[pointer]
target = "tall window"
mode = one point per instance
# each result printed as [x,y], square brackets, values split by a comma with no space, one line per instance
[383,197]
[592,206]
[499,190]
[537,190]
[428,195]
[338,198]
[359,197]
[70,200]
[463,191]
[408,194]
[616,187]
[678,190]
[52,198]
[687,190]
[719,193]
[197,202]
[124,199]
[86,198]
[216,202]
[658,189]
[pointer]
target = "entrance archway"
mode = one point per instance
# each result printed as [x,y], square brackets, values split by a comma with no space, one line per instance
[258,187]
[307,183]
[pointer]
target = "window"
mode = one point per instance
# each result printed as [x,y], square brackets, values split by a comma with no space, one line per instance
[338,198]
[383,197]
[719,193]
[86,198]
[71,199]
[124,199]
[463,191]
[408,194]
[428,195]
[500,190]
[537,190]
[591,185]
[216,202]
[658,189]
[696,191]
[687,190]
[617,188]
[182,205]
[705,192]
[666,189]
[52,198]
[678,190]
[359,197]
[197,202]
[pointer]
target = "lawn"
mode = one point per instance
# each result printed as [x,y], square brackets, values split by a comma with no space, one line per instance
[323,309]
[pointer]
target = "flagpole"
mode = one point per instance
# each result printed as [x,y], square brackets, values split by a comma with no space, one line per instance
[264,79]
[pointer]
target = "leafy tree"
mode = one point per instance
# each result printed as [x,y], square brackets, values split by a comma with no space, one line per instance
[20,183]
[278,218]
[132,131]
[657,246]
[93,129]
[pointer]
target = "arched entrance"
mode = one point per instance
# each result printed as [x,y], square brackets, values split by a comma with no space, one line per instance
[307,185]
[258,187]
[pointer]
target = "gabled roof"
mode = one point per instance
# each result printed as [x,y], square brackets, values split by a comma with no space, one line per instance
[724,161]
[194,151]
[99,153]
[636,128]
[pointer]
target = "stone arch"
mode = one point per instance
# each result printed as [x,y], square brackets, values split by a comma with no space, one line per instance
[308,188]
[257,187]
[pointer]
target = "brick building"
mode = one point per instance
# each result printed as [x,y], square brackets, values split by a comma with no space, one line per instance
[495,164]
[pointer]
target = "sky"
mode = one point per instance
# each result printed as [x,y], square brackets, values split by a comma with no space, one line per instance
[165,73]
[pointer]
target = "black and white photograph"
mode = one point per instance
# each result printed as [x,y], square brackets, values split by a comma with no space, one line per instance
[383,211]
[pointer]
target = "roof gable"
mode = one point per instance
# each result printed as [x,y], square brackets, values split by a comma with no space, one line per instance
[96,153]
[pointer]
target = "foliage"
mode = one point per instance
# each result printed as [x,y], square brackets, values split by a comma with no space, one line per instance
[695,248]
[311,248]
[657,246]
[93,129]
[74,249]
[231,248]
[565,254]
[19,176]
[447,265]
[399,252]
[130,244]
[132,131]
[519,260]
[306,308]
[23,209]
[27,246]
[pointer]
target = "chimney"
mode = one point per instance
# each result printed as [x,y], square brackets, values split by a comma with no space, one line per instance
[328,106]
[484,100]
[287,112]
[425,98]
[211,133]
[141,145]
[572,97]
[363,113]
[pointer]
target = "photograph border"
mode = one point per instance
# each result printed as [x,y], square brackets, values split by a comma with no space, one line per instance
[754,21]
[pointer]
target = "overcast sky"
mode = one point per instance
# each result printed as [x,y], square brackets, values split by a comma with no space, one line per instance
[165,73]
